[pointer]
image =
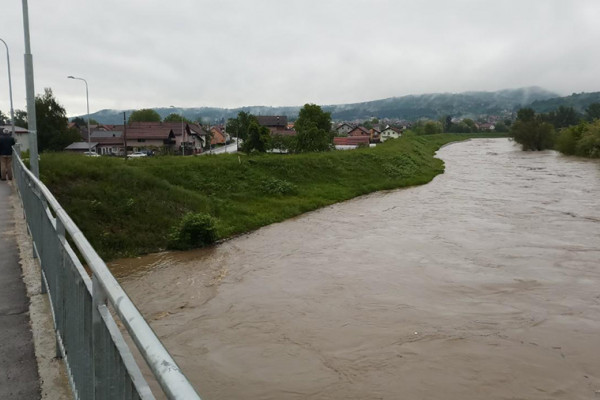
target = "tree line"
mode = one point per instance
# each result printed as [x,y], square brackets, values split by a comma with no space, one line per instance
[562,129]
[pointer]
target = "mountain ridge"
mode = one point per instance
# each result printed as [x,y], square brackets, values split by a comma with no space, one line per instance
[408,107]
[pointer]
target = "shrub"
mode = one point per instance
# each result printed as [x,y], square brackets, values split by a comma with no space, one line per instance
[194,230]
[278,186]
[566,140]
[581,140]
[589,144]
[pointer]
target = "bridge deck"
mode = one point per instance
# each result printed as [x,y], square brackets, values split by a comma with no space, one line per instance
[18,367]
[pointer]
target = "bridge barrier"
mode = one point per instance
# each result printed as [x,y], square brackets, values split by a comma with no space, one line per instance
[99,362]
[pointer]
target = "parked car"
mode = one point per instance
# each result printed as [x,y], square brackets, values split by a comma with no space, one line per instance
[137,154]
[91,154]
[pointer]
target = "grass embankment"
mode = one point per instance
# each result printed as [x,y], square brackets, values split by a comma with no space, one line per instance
[129,208]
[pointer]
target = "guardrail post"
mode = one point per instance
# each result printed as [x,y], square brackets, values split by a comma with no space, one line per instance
[38,245]
[60,290]
[98,369]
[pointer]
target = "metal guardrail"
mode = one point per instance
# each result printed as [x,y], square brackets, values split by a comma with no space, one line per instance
[99,362]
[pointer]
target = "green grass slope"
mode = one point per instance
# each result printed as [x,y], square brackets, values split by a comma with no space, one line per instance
[129,208]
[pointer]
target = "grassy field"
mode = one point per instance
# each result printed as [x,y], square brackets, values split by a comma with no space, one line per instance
[129,208]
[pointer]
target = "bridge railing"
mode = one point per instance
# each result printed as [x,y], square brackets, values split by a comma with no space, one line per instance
[99,362]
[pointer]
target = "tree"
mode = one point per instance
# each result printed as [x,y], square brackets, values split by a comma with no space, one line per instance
[312,114]
[446,122]
[144,115]
[259,139]
[531,132]
[83,122]
[21,119]
[239,127]
[501,127]
[53,132]
[4,119]
[174,117]
[313,128]
[561,117]
[471,124]
[592,112]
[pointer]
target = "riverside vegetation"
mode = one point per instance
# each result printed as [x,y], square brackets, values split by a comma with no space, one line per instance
[128,208]
[563,129]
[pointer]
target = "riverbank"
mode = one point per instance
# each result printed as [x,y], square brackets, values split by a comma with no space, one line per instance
[129,208]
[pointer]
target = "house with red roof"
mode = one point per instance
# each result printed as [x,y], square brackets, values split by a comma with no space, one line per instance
[218,135]
[277,124]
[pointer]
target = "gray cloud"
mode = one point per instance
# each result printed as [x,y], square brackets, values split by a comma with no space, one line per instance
[232,53]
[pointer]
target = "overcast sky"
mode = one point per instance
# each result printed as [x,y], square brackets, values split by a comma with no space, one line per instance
[194,53]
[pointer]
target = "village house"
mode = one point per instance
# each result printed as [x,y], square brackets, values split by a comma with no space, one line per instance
[390,132]
[360,131]
[488,126]
[344,129]
[277,124]
[218,135]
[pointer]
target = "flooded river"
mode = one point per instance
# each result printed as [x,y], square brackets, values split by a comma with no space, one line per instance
[483,284]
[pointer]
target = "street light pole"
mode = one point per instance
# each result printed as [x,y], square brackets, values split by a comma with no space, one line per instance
[87,100]
[12,111]
[30,91]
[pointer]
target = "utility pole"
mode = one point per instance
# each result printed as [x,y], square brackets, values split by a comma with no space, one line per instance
[125,134]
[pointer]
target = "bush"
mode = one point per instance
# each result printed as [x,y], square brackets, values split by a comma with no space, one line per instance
[581,140]
[589,144]
[278,186]
[194,230]
[566,140]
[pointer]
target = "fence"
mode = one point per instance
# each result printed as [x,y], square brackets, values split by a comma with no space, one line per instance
[99,362]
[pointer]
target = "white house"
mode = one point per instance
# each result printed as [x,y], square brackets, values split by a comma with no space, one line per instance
[390,133]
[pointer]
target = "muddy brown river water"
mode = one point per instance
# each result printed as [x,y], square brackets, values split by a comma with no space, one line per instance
[483,284]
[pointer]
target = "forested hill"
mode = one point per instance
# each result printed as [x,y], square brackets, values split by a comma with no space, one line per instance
[411,107]
[579,101]
[467,104]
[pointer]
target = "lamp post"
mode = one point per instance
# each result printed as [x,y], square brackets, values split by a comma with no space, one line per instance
[87,100]
[30,92]
[12,111]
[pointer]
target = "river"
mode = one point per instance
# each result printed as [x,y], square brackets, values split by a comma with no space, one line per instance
[483,284]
